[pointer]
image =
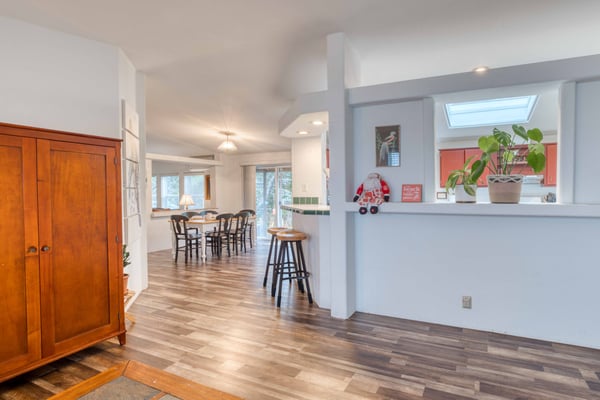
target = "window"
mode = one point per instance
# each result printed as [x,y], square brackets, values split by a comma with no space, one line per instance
[168,189]
[273,188]
[154,192]
[502,111]
[194,186]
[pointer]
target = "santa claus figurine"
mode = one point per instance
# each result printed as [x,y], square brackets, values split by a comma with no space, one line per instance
[374,190]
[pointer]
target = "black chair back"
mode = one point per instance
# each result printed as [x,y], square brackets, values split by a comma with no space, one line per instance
[190,214]
[241,221]
[179,224]
[224,223]
[205,212]
[249,210]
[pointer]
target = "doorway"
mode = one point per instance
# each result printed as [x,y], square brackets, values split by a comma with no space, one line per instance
[273,188]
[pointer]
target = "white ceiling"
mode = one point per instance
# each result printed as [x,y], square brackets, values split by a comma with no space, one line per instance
[215,65]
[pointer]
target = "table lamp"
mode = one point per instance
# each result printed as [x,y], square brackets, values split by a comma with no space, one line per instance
[185,201]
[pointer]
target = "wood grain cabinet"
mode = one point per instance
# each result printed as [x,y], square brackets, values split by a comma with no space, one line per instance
[60,245]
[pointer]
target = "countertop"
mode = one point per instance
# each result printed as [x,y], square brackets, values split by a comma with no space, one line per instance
[307,209]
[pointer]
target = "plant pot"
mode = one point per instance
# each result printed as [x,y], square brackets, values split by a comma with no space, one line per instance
[505,188]
[125,282]
[461,196]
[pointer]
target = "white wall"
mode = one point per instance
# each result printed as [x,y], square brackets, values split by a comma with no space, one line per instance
[53,80]
[587,142]
[57,81]
[317,252]
[307,168]
[528,276]
[419,266]
[409,115]
[134,95]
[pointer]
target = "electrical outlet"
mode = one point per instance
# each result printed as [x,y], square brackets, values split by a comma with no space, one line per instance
[466,301]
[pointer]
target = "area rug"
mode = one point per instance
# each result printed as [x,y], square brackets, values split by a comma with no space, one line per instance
[132,380]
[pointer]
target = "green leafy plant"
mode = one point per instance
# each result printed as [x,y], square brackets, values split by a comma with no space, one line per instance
[466,176]
[126,257]
[502,151]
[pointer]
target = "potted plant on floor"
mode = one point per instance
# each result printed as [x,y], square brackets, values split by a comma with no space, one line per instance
[502,152]
[464,181]
[126,262]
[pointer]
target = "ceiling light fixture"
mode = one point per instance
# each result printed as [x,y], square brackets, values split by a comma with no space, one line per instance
[317,122]
[481,69]
[302,132]
[227,146]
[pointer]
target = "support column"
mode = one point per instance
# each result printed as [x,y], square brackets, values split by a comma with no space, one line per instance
[341,73]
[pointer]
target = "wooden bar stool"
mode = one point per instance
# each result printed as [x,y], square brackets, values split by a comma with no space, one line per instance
[272,257]
[294,268]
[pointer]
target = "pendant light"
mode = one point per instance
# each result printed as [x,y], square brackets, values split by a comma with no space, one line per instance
[227,146]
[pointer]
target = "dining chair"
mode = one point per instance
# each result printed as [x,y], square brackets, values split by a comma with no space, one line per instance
[206,212]
[191,214]
[183,234]
[250,225]
[238,234]
[220,236]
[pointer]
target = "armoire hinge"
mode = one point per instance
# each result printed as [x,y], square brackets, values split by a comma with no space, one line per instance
[119,316]
[117,238]
[115,160]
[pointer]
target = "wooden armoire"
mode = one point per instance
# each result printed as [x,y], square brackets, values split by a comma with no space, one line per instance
[61,273]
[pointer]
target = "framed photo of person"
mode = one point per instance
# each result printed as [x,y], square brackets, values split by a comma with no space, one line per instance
[387,146]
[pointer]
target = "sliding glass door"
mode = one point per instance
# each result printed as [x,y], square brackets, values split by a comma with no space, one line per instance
[273,188]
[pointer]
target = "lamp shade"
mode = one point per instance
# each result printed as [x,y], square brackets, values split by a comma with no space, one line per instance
[186,200]
[227,146]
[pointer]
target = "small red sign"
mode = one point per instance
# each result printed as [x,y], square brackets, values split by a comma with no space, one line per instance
[411,193]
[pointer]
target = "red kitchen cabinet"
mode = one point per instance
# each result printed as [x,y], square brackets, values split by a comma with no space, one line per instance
[551,164]
[450,160]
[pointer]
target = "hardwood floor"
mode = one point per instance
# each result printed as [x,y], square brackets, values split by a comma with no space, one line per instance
[215,324]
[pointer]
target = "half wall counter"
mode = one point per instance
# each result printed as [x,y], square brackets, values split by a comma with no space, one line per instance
[313,219]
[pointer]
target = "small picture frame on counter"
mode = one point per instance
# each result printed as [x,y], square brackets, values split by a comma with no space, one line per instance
[412,193]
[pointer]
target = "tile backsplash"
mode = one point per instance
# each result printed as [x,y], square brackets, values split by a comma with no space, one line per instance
[305,200]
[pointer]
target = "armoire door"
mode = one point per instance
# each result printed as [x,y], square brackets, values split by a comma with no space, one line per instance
[19,255]
[79,244]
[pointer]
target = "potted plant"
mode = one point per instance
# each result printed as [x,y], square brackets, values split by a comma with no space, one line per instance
[502,152]
[126,262]
[464,181]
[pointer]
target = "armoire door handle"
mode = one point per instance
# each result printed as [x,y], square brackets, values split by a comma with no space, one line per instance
[32,249]
[45,248]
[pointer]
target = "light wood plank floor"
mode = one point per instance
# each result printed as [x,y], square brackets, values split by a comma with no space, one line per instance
[216,325]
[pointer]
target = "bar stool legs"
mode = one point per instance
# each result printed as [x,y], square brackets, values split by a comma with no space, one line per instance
[272,257]
[291,268]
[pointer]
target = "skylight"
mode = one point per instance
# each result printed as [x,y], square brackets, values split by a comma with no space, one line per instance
[504,111]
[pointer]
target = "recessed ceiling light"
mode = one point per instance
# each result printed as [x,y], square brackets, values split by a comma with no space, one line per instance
[302,132]
[481,69]
[317,122]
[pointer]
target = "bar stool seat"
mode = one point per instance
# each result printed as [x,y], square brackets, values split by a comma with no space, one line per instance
[272,257]
[293,268]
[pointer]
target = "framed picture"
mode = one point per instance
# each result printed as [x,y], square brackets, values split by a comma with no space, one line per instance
[387,146]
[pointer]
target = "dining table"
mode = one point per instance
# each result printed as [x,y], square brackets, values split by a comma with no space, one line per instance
[204,224]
